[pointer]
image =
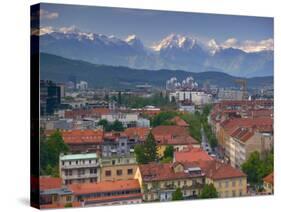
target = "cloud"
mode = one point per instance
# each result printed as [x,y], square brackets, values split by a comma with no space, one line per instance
[42,30]
[249,45]
[44,14]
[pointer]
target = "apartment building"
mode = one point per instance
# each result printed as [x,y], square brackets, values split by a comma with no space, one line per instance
[118,168]
[159,181]
[79,168]
[107,193]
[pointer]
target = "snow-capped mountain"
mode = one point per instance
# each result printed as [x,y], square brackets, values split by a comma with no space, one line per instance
[172,52]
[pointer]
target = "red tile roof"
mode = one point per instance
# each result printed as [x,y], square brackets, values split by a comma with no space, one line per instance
[161,172]
[173,135]
[192,154]
[47,182]
[179,122]
[82,136]
[242,134]
[218,171]
[139,132]
[269,178]
[104,186]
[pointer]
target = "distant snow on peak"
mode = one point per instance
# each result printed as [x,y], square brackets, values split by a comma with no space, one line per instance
[174,41]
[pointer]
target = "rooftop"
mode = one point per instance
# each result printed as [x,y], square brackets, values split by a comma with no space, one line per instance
[79,156]
[47,182]
[192,154]
[269,178]
[104,186]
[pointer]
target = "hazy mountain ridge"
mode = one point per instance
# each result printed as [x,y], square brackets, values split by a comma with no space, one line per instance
[61,69]
[173,52]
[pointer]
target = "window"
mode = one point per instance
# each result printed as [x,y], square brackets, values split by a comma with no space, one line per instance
[77,162]
[220,184]
[113,162]
[90,161]
[240,192]
[240,182]
[108,173]
[70,172]
[226,184]
[119,172]
[68,198]
[130,171]
[233,183]
[179,183]
[63,163]
[233,193]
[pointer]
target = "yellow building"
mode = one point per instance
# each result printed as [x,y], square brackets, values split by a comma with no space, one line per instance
[159,181]
[268,183]
[118,168]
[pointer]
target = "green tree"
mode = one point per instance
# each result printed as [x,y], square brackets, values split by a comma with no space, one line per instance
[208,191]
[147,152]
[50,150]
[163,118]
[257,168]
[119,99]
[169,151]
[104,123]
[117,126]
[177,195]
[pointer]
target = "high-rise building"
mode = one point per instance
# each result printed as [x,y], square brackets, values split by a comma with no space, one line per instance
[50,97]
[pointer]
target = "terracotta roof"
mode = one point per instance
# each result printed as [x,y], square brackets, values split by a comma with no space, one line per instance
[242,134]
[217,170]
[260,123]
[139,132]
[269,178]
[100,111]
[113,198]
[179,122]
[173,135]
[159,172]
[47,182]
[104,186]
[82,136]
[192,154]
[58,205]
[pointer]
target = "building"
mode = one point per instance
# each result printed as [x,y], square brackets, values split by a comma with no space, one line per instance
[117,145]
[159,181]
[244,141]
[192,155]
[107,193]
[118,168]
[179,122]
[176,136]
[195,96]
[83,140]
[79,168]
[53,194]
[50,97]
[137,133]
[125,118]
[186,106]
[82,85]
[268,183]
[230,94]
[228,181]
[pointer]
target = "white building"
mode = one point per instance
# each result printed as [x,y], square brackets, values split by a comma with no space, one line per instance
[79,168]
[124,118]
[197,97]
[83,85]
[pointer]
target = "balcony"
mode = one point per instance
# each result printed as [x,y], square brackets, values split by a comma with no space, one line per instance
[81,176]
[77,166]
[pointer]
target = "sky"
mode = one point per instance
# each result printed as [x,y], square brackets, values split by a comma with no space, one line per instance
[151,26]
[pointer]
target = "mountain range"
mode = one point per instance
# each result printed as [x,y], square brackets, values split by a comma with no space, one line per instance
[173,52]
[61,69]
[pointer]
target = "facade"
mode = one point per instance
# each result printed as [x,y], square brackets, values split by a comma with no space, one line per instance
[118,168]
[107,193]
[268,183]
[177,136]
[50,97]
[197,97]
[83,140]
[186,106]
[125,118]
[245,141]
[79,168]
[53,194]
[117,145]
[159,181]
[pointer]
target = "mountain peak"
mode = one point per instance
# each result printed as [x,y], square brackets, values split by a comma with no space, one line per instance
[174,41]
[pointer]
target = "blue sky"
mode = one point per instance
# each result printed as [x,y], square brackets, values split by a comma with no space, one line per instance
[151,25]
